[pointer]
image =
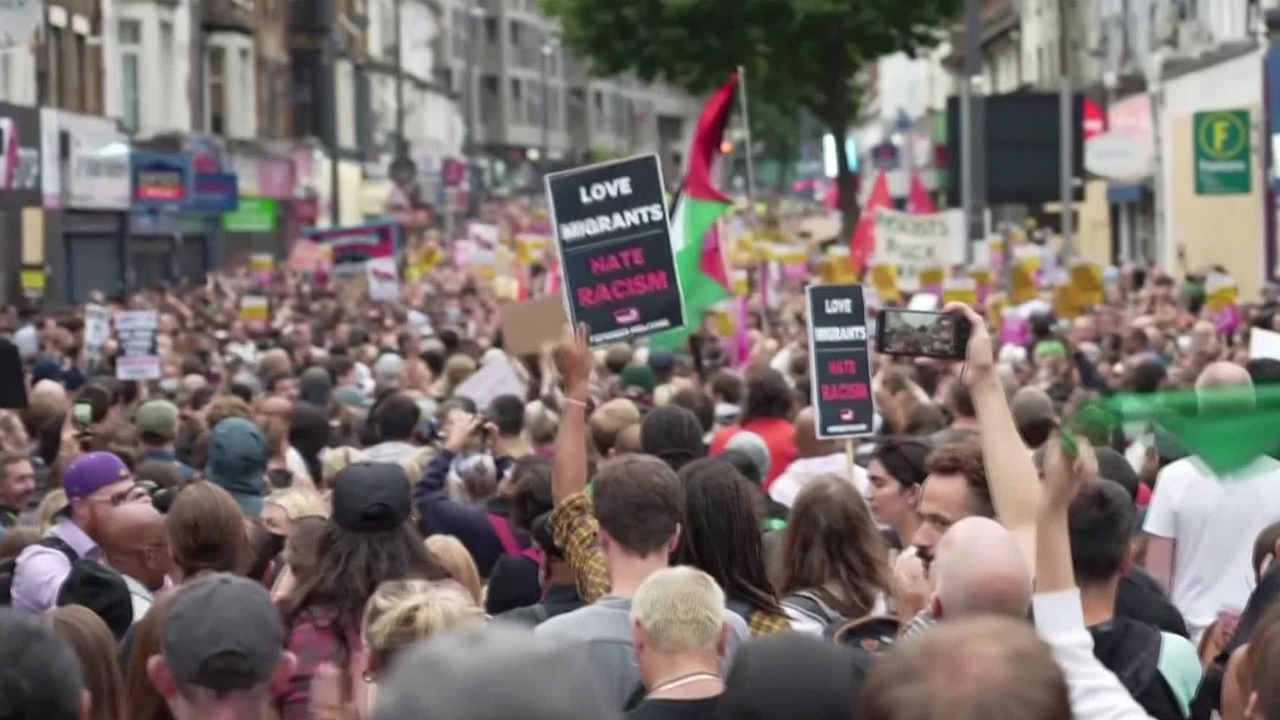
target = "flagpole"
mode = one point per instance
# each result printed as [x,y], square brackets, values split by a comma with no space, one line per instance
[763,269]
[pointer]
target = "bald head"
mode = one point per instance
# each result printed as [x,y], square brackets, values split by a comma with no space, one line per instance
[806,436]
[980,570]
[274,361]
[1224,385]
[49,392]
[628,440]
[135,543]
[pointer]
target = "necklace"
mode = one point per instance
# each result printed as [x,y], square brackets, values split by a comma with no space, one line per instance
[683,680]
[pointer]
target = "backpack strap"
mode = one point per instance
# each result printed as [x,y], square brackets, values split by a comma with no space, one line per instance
[810,604]
[505,537]
[54,542]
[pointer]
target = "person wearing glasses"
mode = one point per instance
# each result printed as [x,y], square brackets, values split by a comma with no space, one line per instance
[97,484]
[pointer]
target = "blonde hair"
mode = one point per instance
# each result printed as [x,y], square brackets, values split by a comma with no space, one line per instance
[333,461]
[402,612]
[298,502]
[680,609]
[455,558]
[49,507]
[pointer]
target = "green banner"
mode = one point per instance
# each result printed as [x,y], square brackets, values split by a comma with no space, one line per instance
[1223,161]
[251,215]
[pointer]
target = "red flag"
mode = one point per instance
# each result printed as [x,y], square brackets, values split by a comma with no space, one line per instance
[863,242]
[709,260]
[918,199]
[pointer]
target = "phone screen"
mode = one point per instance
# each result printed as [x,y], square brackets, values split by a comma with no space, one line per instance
[82,415]
[917,333]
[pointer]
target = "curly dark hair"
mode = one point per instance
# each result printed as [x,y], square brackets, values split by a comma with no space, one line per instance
[964,458]
[672,434]
[722,533]
[352,565]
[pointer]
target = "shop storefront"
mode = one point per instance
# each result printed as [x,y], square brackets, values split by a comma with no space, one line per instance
[21,217]
[165,242]
[85,183]
[260,222]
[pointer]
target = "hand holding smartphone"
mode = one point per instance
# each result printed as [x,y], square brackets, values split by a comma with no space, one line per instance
[915,333]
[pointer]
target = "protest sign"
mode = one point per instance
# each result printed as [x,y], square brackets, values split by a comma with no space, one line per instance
[254,311]
[913,243]
[262,265]
[614,246]
[1264,343]
[136,330]
[839,361]
[495,377]
[351,247]
[960,289]
[384,279]
[527,325]
[97,328]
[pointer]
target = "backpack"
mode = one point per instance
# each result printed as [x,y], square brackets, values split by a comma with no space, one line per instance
[9,566]
[508,540]
[812,608]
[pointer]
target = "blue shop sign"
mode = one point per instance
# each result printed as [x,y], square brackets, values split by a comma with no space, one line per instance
[161,181]
[214,193]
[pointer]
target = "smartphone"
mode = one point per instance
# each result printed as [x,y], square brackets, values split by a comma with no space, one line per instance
[82,417]
[916,333]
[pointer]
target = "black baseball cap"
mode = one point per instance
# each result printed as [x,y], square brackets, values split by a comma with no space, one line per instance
[371,497]
[222,633]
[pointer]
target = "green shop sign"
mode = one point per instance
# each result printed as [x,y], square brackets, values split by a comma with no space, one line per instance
[1222,154]
[251,215]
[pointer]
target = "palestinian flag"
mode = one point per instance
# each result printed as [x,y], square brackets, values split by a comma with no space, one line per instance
[699,264]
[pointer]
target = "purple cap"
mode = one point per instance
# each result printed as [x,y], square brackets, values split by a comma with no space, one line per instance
[91,472]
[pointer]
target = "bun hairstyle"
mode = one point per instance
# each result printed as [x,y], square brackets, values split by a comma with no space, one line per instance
[402,612]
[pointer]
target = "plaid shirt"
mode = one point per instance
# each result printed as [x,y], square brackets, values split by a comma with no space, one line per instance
[315,637]
[573,525]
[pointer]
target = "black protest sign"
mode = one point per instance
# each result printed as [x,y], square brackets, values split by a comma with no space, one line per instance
[614,244]
[840,361]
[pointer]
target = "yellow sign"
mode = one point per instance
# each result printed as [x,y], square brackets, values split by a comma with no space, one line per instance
[1219,291]
[884,278]
[33,280]
[1086,281]
[1066,303]
[1022,277]
[254,309]
[963,290]
[995,310]
[931,276]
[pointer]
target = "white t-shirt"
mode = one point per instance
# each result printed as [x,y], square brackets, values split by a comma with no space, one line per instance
[798,474]
[1213,521]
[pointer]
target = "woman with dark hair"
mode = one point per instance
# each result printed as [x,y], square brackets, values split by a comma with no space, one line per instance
[672,434]
[831,565]
[895,474]
[767,412]
[516,578]
[721,537]
[308,434]
[366,542]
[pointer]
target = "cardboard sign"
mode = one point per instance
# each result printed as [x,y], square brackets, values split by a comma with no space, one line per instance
[496,377]
[527,325]
[136,330]
[839,361]
[915,244]
[255,311]
[614,246]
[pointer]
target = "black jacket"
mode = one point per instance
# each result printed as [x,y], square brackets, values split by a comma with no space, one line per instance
[1131,650]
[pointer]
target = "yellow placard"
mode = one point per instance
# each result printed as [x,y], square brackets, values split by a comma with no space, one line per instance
[963,290]
[32,280]
[738,282]
[931,276]
[1066,304]
[32,236]
[262,263]
[1219,291]
[884,278]
[506,288]
[1086,283]
[722,324]
[1022,277]
[980,275]
[996,305]
[254,309]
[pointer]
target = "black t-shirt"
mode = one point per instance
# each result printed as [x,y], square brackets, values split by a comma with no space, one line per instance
[704,709]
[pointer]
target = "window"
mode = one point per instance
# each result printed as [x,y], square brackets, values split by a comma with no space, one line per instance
[517,102]
[247,112]
[6,71]
[533,106]
[167,61]
[553,109]
[491,30]
[130,36]
[459,32]
[53,52]
[598,108]
[215,75]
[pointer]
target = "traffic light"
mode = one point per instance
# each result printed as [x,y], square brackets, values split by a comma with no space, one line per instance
[726,147]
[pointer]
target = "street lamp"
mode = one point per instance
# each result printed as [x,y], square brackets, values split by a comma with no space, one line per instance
[548,49]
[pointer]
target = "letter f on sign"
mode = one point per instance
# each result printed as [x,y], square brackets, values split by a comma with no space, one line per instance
[1220,130]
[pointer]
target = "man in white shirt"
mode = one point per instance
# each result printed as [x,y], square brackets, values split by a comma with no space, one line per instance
[814,457]
[1201,525]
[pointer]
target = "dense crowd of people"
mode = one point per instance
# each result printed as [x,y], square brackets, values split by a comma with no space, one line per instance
[319,518]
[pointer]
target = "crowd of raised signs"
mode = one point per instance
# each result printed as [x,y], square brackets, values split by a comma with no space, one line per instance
[338,509]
